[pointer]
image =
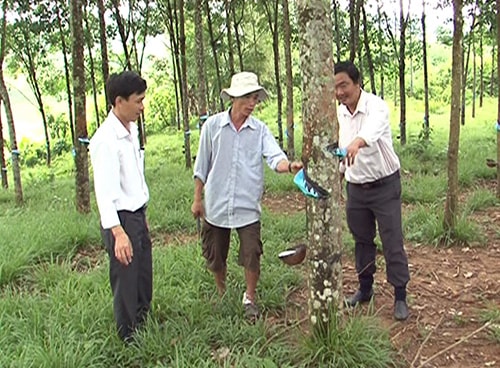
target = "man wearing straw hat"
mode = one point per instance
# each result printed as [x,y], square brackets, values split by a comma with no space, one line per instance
[229,172]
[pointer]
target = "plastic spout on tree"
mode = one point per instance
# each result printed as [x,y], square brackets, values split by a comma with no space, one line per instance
[335,150]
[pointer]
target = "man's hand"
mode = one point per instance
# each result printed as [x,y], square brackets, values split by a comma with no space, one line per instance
[197,209]
[295,166]
[123,246]
[353,149]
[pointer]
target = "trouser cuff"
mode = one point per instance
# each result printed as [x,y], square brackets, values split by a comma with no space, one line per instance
[400,293]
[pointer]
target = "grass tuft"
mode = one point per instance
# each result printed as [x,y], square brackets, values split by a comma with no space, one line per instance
[349,341]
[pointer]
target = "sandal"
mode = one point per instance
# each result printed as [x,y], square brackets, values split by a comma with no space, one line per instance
[251,310]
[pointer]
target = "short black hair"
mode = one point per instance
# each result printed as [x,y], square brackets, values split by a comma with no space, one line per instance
[349,68]
[124,84]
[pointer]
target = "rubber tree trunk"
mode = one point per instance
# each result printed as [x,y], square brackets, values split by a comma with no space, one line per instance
[451,205]
[79,91]
[4,97]
[498,96]
[200,62]
[290,129]
[319,118]
[16,171]
[3,166]
[104,48]
[184,88]
[426,75]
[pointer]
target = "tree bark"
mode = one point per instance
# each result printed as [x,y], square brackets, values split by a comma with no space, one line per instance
[465,69]
[320,129]
[82,167]
[381,49]
[67,64]
[3,166]
[338,45]
[451,204]
[272,18]
[403,22]
[104,48]
[230,53]
[184,89]
[426,76]
[213,44]
[236,25]
[290,129]
[474,79]
[170,16]
[90,43]
[481,67]
[12,136]
[354,9]
[200,62]
[498,98]
[494,51]
[369,59]
[4,96]
[121,31]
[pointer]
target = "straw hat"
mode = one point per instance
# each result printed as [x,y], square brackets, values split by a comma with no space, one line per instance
[242,84]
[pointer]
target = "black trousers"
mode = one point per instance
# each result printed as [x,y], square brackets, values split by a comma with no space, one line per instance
[132,285]
[369,205]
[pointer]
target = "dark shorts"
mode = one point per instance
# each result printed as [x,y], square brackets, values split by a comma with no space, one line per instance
[216,241]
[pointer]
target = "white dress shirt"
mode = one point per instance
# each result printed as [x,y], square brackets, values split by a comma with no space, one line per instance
[370,122]
[118,164]
[231,166]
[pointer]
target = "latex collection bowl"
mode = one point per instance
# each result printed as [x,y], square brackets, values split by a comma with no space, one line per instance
[294,256]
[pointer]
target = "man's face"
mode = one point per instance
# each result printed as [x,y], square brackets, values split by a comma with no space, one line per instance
[246,104]
[130,109]
[346,91]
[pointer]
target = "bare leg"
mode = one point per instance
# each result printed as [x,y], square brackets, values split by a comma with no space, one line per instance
[251,279]
[220,281]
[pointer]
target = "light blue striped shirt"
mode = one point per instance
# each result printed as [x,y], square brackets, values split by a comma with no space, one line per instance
[230,164]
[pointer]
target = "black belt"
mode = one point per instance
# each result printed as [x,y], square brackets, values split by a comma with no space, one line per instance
[141,209]
[379,182]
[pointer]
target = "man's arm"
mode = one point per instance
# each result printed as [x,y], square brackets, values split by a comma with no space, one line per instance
[285,166]
[197,206]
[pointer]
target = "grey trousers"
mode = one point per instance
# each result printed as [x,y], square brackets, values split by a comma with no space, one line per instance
[369,205]
[132,285]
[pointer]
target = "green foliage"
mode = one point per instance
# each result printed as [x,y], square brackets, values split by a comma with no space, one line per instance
[161,107]
[32,154]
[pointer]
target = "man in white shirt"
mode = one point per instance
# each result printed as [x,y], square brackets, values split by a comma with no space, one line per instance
[122,195]
[229,169]
[371,169]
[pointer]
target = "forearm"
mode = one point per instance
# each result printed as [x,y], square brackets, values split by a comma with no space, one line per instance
[198,190]
[285,166]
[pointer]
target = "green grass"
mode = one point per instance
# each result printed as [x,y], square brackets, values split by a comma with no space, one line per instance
[56,310]
[492,315]
[354,341]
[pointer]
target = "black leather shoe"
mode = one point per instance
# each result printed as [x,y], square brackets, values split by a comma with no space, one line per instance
[359,297]
[401,312]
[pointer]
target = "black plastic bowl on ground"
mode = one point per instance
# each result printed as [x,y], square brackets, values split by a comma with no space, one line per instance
[294,256]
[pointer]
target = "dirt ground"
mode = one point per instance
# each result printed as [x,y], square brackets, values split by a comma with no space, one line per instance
[449,290]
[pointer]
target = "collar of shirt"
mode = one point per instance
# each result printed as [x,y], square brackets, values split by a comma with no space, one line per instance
[249,123]
[360,107]
[119,128]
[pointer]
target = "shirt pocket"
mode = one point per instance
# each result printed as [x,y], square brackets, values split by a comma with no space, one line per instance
[252,158]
